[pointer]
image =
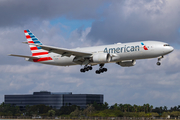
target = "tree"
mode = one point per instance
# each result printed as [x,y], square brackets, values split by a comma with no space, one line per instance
[121,107]
[154,114]
[100,106]
[89,110]
[151,107]
[51,113]
[178,107]
[147,107]
[175,108]
[125,107]
[9,110]
[160,110]
[105,106]
[77,112]
[128,107]
[165,108]
[66,110]
[135,108]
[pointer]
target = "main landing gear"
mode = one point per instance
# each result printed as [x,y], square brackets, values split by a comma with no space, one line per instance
[86,68]
[101,69]
[159,59]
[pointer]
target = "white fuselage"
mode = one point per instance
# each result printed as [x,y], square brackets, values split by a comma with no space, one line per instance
[118,52]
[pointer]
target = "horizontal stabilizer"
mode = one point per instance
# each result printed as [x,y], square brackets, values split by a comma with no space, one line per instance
[23,56]
[25,42]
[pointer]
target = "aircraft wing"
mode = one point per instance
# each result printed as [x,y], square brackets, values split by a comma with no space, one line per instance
[23,56]
[63,51]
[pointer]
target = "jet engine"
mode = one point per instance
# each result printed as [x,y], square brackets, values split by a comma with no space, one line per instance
[127,63]
[101,57]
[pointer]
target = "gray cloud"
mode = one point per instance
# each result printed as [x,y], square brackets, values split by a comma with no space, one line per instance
[138,20]
[21,12]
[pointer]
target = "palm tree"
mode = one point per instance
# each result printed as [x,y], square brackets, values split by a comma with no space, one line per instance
[116,106]
[165,108]
[121,107]
[178,107]
[125,107]
[175,108]
[128,106]
[139,108]
[147,106]
[151,107]
[135,108]
[160,109]
[144,107]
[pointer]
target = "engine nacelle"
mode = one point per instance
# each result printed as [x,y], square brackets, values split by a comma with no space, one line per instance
[101,57]
[127,63]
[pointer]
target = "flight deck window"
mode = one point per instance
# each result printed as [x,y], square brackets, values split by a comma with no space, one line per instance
[166,45]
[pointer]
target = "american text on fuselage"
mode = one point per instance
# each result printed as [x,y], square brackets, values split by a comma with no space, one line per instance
[122,49]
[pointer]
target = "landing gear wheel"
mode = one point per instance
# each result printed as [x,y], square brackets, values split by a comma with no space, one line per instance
[158,63]
[98,72]
[105,69]
[82,70]
[159,59]
[101,70]
[90,67]
[86,68]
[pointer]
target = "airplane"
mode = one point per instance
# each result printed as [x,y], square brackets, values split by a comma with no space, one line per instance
[123,54]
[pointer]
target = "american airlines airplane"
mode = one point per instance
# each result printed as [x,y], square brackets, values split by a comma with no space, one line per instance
[123,54]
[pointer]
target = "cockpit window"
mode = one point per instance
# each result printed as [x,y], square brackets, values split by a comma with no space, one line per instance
[166,45]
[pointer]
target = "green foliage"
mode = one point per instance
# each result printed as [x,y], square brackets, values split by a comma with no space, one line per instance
[165,114]
[39,109]
[89,110]
[100,106]
[175,113]
[9,110]
[154,114]
[51,113]
[108,113]
[77,112]
[99,110]
[66,110]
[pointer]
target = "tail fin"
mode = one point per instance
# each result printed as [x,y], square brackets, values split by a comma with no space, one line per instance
[36,51]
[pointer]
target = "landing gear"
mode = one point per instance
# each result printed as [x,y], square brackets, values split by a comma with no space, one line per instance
[101,69]
[158,63]
[86,68]
[159,59]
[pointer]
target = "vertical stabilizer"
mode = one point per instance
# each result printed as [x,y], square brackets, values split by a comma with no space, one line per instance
[36,51]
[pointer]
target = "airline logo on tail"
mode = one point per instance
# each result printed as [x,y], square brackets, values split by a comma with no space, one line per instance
[36,51]
[145,48]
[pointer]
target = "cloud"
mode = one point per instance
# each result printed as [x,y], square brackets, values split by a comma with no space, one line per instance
[138,20]
[20,12]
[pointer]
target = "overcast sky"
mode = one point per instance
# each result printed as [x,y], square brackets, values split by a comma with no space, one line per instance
[81,23]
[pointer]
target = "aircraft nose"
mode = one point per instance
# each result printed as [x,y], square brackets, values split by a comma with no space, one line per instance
[171,49]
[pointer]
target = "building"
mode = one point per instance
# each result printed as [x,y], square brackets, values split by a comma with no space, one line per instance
[53,99]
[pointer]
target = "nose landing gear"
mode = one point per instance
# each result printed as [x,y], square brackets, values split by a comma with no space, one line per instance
[159,59]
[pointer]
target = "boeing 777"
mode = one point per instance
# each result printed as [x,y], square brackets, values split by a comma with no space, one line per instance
[123,54]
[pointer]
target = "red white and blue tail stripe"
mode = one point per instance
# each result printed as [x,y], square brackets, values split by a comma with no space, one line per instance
[36,51]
